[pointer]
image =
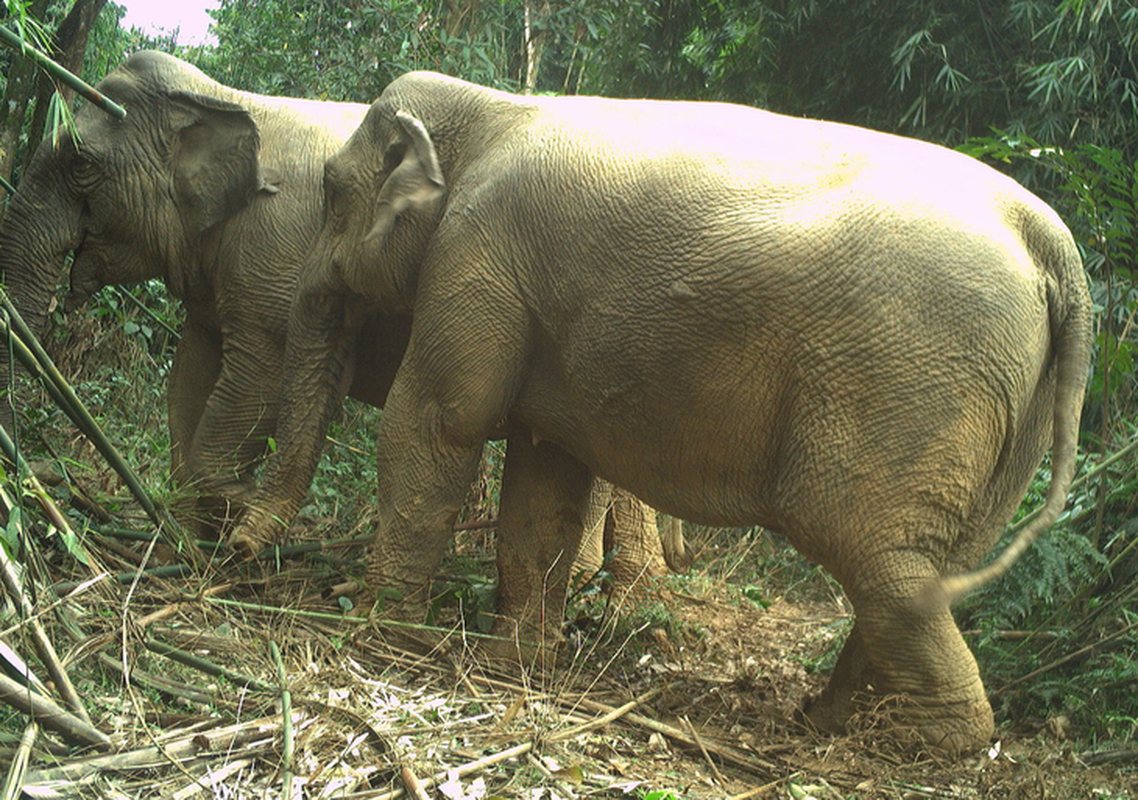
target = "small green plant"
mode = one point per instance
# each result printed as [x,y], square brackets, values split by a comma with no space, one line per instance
[659,794]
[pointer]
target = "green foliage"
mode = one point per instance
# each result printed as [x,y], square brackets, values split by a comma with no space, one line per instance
[659,794]
[350,51]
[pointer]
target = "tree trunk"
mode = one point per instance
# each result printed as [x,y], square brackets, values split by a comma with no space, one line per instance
[68,48]
[17,97]
[537,33]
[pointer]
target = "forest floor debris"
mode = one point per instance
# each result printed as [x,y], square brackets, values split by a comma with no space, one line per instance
[693,693]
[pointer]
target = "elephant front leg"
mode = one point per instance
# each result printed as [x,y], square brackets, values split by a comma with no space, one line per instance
[423,478]
[545,500]
[193,374]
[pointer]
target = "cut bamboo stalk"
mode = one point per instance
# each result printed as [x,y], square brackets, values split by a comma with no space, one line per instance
[31,353]
[205,665]
[286,722]
[221,741]
[14,783]
[51,716]
[40,641]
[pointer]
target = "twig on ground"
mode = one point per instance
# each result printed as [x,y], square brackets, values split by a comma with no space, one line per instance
[412,784]
[557,787]
[730,755]
[706,756]
[611,716]
[766,787]
[458,772]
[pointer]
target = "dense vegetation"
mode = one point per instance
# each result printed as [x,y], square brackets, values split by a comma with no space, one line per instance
[1047,90]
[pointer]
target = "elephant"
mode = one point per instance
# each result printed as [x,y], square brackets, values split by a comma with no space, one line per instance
[217,192]
[862,341]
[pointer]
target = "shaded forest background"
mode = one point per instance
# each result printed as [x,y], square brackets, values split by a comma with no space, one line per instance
[1047,91]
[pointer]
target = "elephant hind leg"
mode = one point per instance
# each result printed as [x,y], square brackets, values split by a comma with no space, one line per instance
[545,496]
[915,653]
[852,680]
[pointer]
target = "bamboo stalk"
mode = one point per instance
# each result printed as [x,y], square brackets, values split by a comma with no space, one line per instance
[51,716]
[14,783]
[286,722]
[31,353]
[205,665]
[168,571]
[609,717]
[1082,651]
[57,71]
[220,742]
[40,641]
[159,684]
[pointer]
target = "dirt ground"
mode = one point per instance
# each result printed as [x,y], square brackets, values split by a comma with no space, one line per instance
[692,693]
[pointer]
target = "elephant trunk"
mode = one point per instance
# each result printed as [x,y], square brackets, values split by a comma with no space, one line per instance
[39,229]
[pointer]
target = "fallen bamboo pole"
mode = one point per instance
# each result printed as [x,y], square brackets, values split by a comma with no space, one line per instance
[217,742]
[51,716]
[205,665]
[31,353]
[40,641]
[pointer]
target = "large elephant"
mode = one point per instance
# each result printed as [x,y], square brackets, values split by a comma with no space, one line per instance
[863,341]
[217,192]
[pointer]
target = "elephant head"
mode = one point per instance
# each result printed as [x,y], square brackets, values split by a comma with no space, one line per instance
[135,198]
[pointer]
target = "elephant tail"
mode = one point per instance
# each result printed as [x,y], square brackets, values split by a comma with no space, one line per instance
[1069,306]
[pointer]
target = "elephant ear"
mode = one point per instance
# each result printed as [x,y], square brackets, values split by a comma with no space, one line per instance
[215,159]
[416,182]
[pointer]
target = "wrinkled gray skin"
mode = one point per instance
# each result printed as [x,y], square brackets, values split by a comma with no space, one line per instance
[862,341]
[218,192]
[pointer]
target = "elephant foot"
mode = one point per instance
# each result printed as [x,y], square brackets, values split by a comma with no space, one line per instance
[514,646]
[255,532]
[951,729]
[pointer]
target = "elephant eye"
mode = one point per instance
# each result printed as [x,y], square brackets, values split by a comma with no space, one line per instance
[84,172]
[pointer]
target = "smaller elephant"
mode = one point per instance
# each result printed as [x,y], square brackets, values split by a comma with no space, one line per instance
[862,341]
